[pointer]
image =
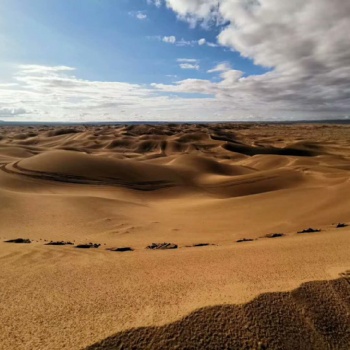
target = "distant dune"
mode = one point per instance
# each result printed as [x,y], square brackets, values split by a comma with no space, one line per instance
[229,199]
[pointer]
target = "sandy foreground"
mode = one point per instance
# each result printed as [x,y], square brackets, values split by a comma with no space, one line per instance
[130,186]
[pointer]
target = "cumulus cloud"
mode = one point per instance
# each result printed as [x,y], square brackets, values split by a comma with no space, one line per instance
[202,42]
[305,44]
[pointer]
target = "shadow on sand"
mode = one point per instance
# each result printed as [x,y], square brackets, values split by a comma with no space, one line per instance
[314,316]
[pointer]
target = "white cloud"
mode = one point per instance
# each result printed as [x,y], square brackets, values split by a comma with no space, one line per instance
[172,40]
[304,43]
[182,42]
[187,60]
[157,3]
[38,69]
[169,39]
[54,94]
[221,67]
[188,63]
[189,66]
[57,94]
[141,15]
[212,44]
[138,14]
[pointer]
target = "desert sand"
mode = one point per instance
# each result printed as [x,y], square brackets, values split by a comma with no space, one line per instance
[242,192]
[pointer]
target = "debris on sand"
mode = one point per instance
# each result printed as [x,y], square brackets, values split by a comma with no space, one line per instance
[19,240]
[340,225]
[309,230]
[156,246]
[122,249]
[59,243]
[87,246]
[245,240]
[274,235]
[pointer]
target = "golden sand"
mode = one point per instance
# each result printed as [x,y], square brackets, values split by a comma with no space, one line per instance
[131,186]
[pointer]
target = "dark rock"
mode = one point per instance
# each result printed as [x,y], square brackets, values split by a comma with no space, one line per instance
[59,243]
[87,246]
[201,244]
[155,246]
[19,240]
[245,240]
[122,249]
[309,230]
[274,235]
[341,225]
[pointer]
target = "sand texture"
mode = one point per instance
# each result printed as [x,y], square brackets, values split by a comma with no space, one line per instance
[188,237]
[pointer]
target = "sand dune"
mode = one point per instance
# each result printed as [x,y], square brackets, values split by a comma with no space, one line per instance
[191,184]
[314,316]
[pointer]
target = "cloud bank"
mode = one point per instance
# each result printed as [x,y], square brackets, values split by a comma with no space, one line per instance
[305,45]
[54,93]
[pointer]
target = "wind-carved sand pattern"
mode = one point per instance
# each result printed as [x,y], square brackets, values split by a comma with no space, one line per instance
[230,197]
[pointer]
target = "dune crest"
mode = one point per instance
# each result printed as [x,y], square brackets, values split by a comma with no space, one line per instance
[314,316]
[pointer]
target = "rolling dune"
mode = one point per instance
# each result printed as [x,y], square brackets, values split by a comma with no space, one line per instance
[210,185]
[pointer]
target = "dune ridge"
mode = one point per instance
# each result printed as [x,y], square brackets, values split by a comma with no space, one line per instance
[316,315]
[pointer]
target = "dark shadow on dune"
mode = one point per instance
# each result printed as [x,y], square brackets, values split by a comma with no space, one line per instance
[76,179]
[314,316]
[252,151]
[63,131]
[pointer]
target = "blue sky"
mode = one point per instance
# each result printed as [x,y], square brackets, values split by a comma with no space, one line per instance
[106,41]
[163,52]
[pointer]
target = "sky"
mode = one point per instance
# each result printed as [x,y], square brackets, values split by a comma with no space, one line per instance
[174,60]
